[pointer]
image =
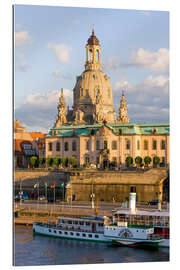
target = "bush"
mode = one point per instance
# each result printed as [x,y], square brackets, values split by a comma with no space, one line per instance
[49,161]
[156,160]
[33,161]
[129,161]
[138,160]
[147,160]
[56,161]
[41,161]
[72,161]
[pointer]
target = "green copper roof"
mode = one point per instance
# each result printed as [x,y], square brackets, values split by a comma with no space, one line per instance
[118,128]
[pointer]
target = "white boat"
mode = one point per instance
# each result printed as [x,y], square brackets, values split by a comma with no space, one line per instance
[98,229]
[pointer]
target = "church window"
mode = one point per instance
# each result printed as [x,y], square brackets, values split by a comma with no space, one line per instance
[138,145]
[145,145]
[50,146]
[87,93]
[74,146]
[66,146]
[87,160]
[81,89]
[97,160]
[88,145]
[127,144]
[163,161]
[58,146]
[163,145]
[97,55]
[105,144]
[114,145]
[154,145]
[97,145]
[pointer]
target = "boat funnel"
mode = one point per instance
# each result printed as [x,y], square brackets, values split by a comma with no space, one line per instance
[132,199]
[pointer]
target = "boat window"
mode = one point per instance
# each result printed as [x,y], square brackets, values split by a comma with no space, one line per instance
[90,235]
[100,224]
[81,223]
[76,222]
[62,220]
[87,223]
[69,221]
[49,230]
[96,236]
[77,234]
[84,235]
[54,231]
[65,233]
[60,232]
[71,233]
[137,231]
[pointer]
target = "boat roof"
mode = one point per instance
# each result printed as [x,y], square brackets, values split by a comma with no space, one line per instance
[93,218]
[143,212]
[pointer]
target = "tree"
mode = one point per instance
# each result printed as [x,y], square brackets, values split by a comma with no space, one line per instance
[65,161]
[56,161]
[138,160]
[41,161]
[147,160]
[129,161]
[33,161]
[72,161]
[49,161]
[156,160]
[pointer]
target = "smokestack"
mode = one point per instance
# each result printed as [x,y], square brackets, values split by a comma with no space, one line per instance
[132,199]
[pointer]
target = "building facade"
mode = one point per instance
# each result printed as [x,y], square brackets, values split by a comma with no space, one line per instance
[91,131]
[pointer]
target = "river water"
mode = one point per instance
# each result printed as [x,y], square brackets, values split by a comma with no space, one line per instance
[32,250]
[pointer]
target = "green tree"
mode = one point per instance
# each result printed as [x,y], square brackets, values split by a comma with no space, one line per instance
[138,160]
[129,161]
[49,161]
[65,161]
[72,161]
[33,161]
[147,160]
[56,161]
[156,160]
[41,161]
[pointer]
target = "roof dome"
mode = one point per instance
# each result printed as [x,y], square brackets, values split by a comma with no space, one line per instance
[93,40]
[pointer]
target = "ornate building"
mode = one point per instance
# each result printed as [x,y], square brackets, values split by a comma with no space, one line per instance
[91,132]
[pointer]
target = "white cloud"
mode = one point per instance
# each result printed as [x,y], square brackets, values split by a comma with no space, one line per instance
[147,100]
[57,73]
[155,61]
[61,51]
[22,38]
[22,66]
[39,110]
[76,21]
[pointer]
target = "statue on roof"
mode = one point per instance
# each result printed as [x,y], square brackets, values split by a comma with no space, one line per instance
[123,111]
[61,115]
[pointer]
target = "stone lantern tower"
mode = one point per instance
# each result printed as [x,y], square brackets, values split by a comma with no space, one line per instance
[61,115]
[123,111]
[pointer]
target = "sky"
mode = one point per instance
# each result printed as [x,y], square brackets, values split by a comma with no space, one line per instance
[49,52]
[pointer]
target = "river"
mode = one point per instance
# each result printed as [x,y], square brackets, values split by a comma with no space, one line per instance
[34,250]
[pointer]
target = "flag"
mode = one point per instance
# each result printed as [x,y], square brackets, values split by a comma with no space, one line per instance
[45,185]
[53,186]
[36,185]
[62,185]
[69,185]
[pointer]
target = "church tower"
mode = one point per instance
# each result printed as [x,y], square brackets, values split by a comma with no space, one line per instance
[61,115]
[93,85]
[123,111]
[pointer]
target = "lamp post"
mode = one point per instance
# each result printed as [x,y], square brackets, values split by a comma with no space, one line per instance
[159,201]
[92,196]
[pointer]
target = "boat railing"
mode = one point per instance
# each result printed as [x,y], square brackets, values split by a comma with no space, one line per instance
[154,236]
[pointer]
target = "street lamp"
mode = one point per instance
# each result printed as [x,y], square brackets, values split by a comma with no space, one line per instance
[92,196]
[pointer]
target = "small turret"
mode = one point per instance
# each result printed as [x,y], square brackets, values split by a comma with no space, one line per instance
[123,111]
[61,115]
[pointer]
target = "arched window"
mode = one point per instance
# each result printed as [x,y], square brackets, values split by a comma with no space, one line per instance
[81,89]
[66,146]
[163,145]
[154,144]
[145,145]
[87,160]
[127,144]
[87,93]
[88,145]
[138,145]
[97,145]
[58,146]
[74,146]
[105,144]
[97,55]
[50,146]
[114,145]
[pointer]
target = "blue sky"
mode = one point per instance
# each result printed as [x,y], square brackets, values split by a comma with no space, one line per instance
[50,53]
